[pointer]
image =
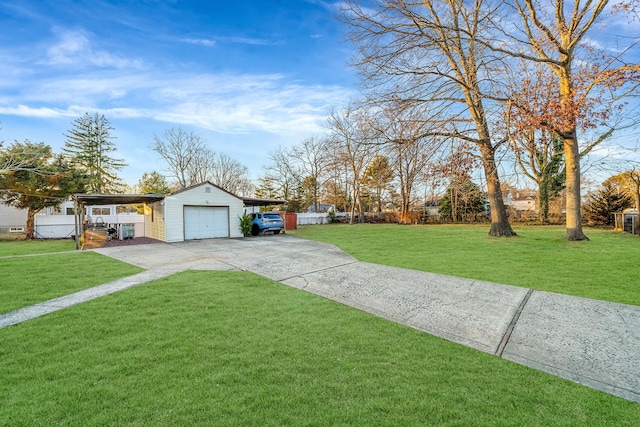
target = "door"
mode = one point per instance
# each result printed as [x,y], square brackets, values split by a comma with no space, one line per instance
[206,222]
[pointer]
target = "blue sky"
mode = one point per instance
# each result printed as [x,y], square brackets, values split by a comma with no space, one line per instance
[247,76]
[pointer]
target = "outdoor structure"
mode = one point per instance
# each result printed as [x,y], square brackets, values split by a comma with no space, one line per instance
[202,211]
[82,221]
[628,221]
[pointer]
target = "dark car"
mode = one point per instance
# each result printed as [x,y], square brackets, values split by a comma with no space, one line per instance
[266,221]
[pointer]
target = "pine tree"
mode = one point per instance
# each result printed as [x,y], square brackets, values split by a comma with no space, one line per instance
[153,182]
[604,202]
[89,143]
[463,200]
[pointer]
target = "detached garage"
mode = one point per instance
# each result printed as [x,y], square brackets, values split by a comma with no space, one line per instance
[202,211]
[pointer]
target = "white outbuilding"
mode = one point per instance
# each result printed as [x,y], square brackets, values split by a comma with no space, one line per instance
[202,211]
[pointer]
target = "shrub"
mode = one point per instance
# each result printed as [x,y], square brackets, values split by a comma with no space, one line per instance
[245,225]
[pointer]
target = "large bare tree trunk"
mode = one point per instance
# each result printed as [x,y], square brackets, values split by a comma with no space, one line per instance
[574,214]
[499,222]
[571,152]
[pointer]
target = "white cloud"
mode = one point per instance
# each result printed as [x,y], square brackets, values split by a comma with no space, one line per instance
[213,41]
[219,102]
[239,104]
[70,111]
[247,40]
[39,112]
[74,48]
[203,42]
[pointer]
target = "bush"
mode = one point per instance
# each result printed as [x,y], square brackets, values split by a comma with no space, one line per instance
[245,225]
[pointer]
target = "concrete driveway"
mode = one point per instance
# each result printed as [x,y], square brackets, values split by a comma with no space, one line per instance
[591,342]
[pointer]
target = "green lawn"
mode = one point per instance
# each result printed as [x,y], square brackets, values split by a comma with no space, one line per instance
[23,247]
[32,279]
[235,349]
[605,268]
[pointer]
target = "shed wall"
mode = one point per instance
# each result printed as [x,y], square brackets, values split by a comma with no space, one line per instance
[154,223]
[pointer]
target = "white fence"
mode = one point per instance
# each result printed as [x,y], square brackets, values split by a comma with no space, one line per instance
[63,226]
[313,218]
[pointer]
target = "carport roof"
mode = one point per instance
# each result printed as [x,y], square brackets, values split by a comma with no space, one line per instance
[127,199]
[117,199]
[252,201]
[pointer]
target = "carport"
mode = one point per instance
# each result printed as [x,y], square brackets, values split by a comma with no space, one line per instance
[190,212]
[252,201]
[80,201]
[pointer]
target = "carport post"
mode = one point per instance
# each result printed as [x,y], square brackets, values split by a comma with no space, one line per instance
[76,221]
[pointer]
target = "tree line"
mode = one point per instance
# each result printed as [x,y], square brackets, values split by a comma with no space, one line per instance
[521,75]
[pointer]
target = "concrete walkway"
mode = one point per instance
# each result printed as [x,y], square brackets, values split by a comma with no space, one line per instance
[591,342]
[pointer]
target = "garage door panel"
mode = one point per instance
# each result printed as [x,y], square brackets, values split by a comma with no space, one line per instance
[206,222]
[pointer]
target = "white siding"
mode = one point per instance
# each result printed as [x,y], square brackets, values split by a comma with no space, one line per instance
[12,217]
[63,226]
[202,195]
[154,224]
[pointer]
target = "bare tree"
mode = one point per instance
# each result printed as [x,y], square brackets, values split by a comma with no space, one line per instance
[351,140]
[231,175]
[201,166]
[314,162]
[283,176]
[555,34]
[402,131]
[180,149]
[428,54]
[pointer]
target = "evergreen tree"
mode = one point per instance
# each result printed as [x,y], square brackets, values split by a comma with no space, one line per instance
[45,180]
[377,179]
[89,144]
[153,182]
[605,201]
[463,200]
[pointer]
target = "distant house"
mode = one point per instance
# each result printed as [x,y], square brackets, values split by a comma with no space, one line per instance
[321,208]
[432,207]
[12,220]
[523,201]
[202,211]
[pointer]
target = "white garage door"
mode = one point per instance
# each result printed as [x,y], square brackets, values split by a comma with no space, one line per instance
[205,222]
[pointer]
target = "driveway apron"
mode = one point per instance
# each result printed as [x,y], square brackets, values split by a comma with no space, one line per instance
[591,342]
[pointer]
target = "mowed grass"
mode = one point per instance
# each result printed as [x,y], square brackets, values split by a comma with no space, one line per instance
[23,247]
[605,268]
[29,280]
[236,349]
